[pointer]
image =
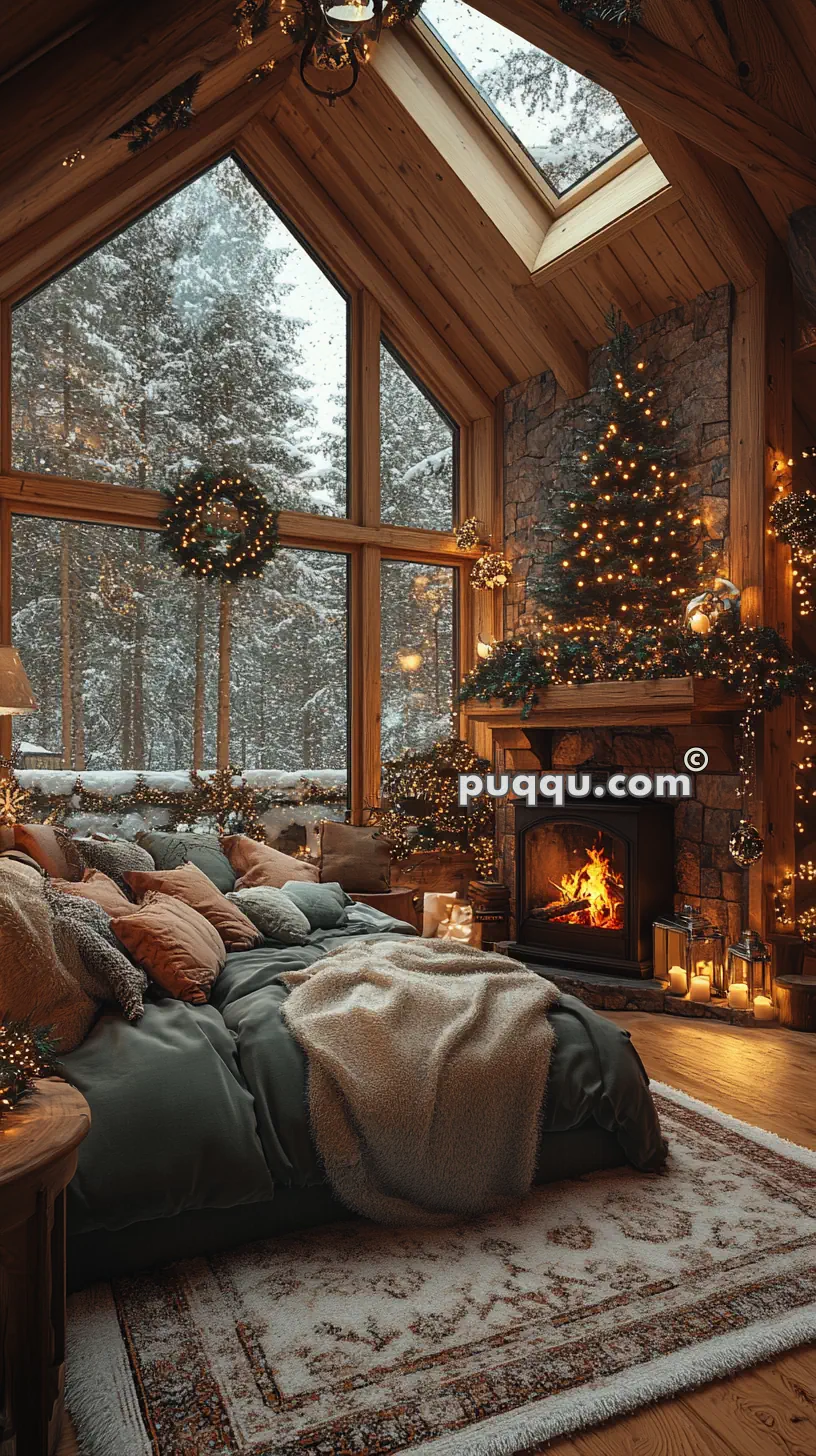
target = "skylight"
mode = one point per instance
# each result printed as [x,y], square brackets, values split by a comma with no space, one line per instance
[567,124]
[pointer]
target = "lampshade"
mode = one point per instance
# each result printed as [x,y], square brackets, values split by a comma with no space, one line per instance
[15,689]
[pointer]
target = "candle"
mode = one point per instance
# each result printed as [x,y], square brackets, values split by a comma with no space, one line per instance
[763,1008]
[700,988]
[705,968]
[738,996]
[678,981]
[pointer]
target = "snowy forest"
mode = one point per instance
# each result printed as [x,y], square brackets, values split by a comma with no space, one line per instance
[206,334]
[568,124]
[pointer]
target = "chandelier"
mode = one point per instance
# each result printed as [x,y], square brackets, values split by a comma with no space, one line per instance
[335,36]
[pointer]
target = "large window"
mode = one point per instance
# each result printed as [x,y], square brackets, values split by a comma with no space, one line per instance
[124,654]
[205,333]
[418,450]
[418,654]
[567,124]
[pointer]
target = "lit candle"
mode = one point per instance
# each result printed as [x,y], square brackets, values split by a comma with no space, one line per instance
[700,988]
[763,1008]
[678,981]
[738,996]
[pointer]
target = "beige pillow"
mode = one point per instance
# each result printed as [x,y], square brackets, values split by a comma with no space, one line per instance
[358,859]
[175,945]
[34,984]
[260,864]
[190,884]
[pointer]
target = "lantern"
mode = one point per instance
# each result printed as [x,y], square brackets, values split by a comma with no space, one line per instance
[748,976]
[688,943]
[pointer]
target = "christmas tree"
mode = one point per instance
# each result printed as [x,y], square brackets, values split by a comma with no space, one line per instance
[626,553]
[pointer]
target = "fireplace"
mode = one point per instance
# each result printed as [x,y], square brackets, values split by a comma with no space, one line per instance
[590,882]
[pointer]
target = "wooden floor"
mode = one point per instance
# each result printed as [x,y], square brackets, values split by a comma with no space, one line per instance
[767,1077]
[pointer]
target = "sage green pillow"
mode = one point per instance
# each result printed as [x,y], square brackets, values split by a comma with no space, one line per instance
[323,905]
[171,851]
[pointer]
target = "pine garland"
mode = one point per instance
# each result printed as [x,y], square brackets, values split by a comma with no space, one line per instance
[754,661]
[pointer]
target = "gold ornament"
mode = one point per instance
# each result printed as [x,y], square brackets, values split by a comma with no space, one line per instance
[468,534]
[710,607]
[491,572]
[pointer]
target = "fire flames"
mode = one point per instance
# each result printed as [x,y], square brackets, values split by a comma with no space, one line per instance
[600,886]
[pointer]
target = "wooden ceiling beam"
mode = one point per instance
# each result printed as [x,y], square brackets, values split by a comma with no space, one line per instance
[116,199]
[717,198]
[674,88]
[78,93]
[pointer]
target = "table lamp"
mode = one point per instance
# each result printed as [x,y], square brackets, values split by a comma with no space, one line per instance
[15,689]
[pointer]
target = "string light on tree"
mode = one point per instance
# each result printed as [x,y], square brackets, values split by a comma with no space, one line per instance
[626,553]
[420,807]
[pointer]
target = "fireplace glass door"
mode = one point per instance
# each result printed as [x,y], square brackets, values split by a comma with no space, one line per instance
[575,886]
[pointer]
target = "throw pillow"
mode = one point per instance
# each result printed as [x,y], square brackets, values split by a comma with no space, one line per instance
[114,857]
[260,864]
[323,905]
[100,888]
[34,984]
[170,851]
[51,847]
[275,915]
[190,884]
[175,945]
[356,858]
[86,945]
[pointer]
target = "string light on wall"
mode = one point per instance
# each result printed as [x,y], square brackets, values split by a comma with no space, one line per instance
[793,520]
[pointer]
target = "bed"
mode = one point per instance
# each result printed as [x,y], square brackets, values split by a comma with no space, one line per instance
[200,1136]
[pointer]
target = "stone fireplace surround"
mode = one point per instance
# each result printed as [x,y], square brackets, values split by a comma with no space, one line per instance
[689,349]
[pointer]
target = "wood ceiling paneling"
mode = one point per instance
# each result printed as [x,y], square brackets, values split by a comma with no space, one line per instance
[379,169]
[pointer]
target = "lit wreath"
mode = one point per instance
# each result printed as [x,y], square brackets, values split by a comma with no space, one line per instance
[220,527]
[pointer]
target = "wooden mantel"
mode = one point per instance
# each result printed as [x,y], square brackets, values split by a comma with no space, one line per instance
[658,702]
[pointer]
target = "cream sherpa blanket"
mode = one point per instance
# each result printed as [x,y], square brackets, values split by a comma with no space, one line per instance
[428,1065]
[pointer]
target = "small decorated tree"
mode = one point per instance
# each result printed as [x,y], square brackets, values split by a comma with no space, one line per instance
[627,538]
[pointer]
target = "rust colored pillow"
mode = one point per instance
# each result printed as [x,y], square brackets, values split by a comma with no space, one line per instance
[175,945]
[190,884]
[52,848]
[101,888]
[260,864]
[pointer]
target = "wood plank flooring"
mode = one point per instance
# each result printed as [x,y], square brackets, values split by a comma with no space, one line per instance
[766,1077]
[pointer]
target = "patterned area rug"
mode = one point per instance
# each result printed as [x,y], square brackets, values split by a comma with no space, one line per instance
[582,1302]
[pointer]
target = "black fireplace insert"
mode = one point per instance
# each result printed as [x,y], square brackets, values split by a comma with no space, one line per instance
[590,881]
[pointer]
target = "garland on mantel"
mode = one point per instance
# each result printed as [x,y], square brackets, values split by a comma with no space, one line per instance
[754,661]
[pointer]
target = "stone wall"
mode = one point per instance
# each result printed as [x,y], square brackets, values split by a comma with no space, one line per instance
[689,350]
[689,354]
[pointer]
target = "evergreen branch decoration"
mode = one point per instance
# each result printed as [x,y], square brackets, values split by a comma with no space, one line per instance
[608,12]
[754,661]
[26,1052]
[420,807]
[170,112]
[220,527]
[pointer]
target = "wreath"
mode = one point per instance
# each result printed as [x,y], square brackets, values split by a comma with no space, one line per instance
[220,527]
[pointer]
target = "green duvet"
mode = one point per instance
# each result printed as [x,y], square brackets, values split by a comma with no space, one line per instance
[197,1109]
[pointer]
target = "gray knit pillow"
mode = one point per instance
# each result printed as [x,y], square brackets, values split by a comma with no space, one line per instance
[273,913]
[114,857]
[88,949]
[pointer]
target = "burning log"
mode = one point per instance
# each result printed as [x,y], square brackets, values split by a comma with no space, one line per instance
[558,909]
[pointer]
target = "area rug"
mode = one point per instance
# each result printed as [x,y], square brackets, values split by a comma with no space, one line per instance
[580,1303]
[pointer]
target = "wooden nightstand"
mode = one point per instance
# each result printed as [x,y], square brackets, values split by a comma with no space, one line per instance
[38,1156]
